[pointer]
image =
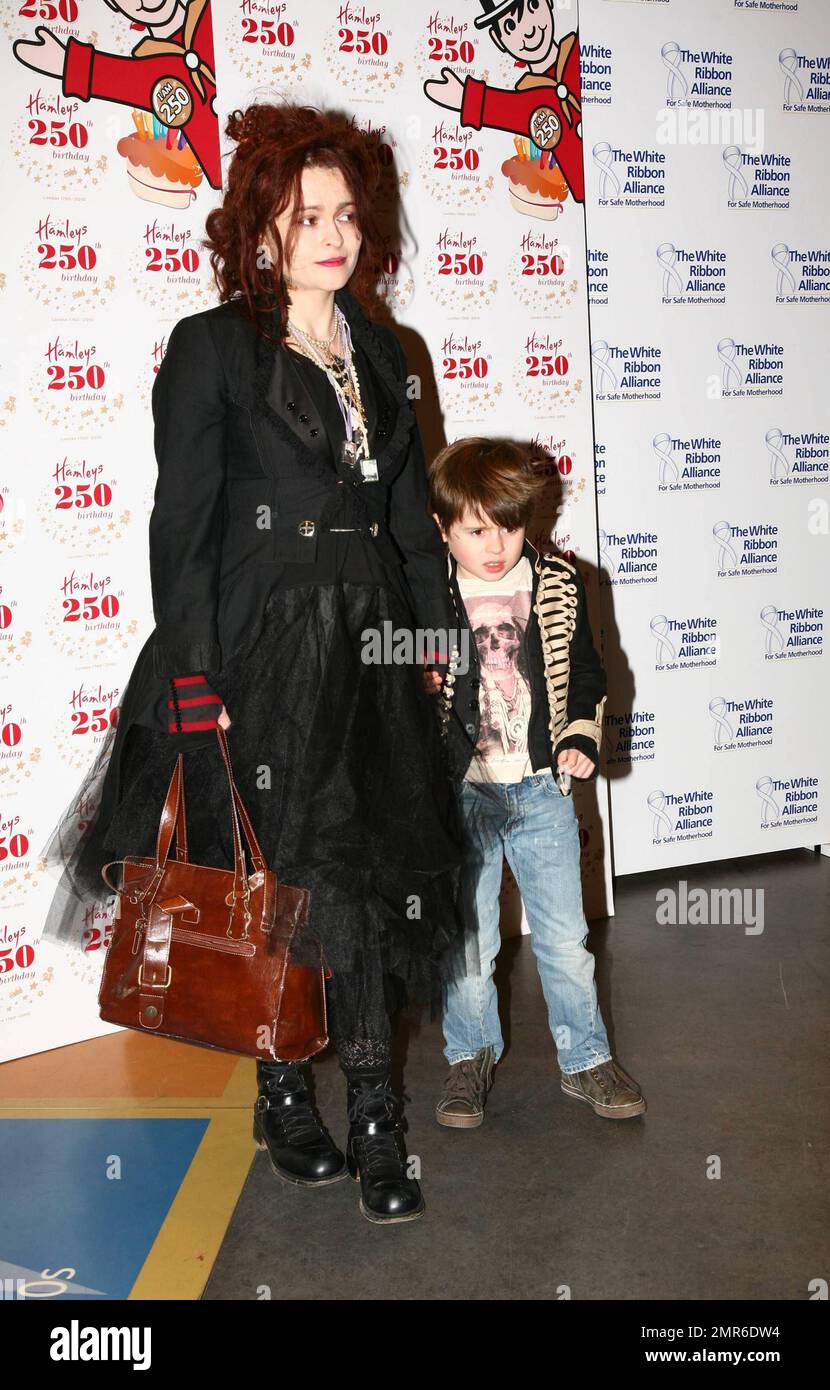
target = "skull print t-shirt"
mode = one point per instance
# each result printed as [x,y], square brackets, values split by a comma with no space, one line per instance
[498,611]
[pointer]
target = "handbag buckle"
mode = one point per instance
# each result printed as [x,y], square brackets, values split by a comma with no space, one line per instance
[231,901]
[166,984]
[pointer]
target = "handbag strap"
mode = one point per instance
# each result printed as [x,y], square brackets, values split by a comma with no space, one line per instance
[181,821]
[155,973]
[257,856]
[180,827]
[173,819]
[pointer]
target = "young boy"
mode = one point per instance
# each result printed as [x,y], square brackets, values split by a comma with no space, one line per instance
[522,720]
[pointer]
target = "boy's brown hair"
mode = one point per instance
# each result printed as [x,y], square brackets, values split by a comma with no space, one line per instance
[493,477]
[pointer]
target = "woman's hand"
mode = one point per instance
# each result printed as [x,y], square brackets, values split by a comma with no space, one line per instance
[432,681]
[223,721]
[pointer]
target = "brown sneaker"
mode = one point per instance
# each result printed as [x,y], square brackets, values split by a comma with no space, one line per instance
[465,1090]
[607,1090]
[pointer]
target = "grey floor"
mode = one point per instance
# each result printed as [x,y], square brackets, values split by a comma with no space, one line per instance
[727,1035]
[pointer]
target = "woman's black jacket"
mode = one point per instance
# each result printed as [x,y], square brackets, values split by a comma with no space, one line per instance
[246,441]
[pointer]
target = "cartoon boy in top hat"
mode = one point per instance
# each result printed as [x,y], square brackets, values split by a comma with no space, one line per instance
[169,72]
[546,102]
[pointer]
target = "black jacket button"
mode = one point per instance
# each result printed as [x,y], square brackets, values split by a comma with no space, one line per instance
[289,405]
[471,728]
[474,704]
[314,432]
[303,419]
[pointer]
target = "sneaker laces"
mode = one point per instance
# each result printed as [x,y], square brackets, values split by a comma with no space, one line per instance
[464,1082]
[605,1074]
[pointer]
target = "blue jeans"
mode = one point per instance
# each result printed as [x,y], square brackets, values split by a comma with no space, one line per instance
[535,827]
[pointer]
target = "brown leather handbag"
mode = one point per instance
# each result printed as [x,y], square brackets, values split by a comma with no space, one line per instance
[217,957]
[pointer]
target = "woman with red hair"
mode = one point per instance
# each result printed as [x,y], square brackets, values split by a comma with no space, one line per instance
[289,526]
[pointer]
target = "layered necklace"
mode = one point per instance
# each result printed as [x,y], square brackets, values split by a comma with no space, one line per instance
[341,372]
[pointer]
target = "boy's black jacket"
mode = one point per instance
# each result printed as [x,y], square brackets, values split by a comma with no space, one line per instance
[567,680]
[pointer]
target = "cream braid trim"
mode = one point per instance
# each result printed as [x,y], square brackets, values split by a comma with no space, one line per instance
[555,608]
[556,604]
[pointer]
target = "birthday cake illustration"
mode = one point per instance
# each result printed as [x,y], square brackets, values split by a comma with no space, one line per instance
[537,185]
[161,167]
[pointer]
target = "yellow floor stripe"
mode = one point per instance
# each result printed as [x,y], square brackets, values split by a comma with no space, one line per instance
[179,1264]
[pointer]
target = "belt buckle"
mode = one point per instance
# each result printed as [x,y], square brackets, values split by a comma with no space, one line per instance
[166,984]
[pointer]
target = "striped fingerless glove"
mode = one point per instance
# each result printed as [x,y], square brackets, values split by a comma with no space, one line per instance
[193,706]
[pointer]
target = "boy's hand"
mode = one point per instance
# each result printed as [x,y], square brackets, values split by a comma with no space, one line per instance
[576,763]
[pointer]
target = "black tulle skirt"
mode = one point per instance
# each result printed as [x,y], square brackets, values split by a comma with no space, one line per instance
[341,767]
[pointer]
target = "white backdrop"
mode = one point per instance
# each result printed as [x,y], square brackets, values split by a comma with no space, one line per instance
[706,125]
[492,306]
[708,266]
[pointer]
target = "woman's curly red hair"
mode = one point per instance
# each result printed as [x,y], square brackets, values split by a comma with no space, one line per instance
[274,145]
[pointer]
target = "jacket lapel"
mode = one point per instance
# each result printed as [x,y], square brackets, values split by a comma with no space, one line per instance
[281,397]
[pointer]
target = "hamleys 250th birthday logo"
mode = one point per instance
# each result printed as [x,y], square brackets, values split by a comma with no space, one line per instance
[88,618]
[78,506]
[558,459]
[268,41]
[541,273]
[166,265]
[467,383]
[363,52]
[450,168]
[66,267]
[544,377]
[71,386]
[459,274]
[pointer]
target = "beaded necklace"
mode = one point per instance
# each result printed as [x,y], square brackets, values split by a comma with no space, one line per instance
[341,372]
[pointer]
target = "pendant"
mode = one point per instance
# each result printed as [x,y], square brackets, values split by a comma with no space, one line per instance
[348,455]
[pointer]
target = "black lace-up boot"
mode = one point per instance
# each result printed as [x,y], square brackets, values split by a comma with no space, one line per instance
[376,1150]
[300,1148]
